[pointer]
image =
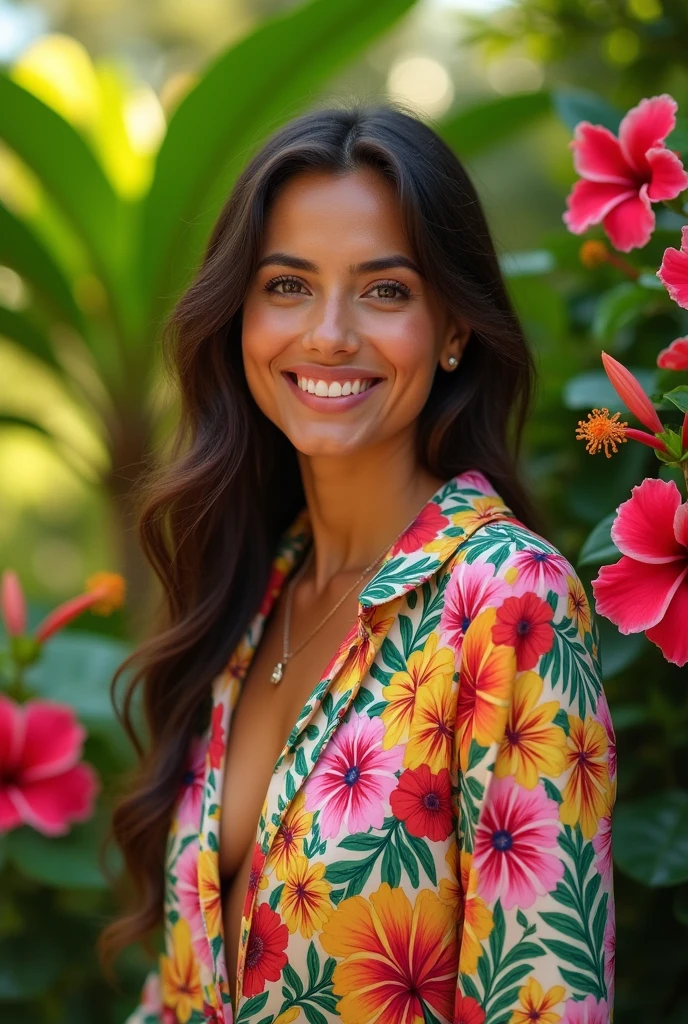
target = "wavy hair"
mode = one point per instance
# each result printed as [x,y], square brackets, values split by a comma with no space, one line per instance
[206,521]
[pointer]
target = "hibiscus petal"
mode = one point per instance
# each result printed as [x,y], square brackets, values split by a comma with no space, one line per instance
[51,804]
[668,177]
[630,224]
[635,595]
[53,740]
[590,201]
[644,525]
[12,731]
[9,815]
[646,125]
[681,525]
[670,634]
[597,155]
[675,357]
[673,272]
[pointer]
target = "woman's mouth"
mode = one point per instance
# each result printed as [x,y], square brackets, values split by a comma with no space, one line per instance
[331,395]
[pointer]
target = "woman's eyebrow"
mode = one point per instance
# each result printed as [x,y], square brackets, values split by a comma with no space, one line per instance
[285,259]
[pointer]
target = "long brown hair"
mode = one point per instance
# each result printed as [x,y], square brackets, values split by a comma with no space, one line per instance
[209,522]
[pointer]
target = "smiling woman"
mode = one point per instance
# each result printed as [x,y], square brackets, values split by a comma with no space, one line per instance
[379,775]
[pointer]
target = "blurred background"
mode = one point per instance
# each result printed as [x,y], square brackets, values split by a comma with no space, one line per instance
[122,127]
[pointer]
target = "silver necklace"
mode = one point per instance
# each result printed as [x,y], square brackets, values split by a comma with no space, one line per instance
[287,655]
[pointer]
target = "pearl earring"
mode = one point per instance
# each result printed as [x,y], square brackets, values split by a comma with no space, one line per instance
[453,362]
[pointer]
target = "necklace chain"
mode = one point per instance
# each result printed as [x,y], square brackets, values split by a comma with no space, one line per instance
[287,655]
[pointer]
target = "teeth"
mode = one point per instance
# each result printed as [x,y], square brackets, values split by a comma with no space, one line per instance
[336,388]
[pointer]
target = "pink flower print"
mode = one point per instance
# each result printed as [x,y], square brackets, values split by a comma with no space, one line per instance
[586,1011]
[673,271]
[43,783]
[675,357]
[647,589]
[609,947]
[186,870]
[472,587]
[602,843]
[539,571]
[476,480]
[354,777]
[515,844]
[193,781]
[621,177]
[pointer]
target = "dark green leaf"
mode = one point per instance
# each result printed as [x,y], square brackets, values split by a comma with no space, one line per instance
[650,838]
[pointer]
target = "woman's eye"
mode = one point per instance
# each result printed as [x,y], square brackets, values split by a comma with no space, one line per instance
[389,287]
[290,283]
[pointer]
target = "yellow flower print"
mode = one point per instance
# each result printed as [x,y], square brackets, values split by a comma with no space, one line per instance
[181,983]
[431,736]
[477,917]
[484,511]
[578,608]
[423,667]
[288,842]
[587,791]
[305,902]
[537,1004]
[450,888]
[288,1016]
[374,624]
[532,746]
[209,891]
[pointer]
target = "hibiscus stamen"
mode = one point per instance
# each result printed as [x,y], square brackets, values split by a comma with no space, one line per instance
[601,431]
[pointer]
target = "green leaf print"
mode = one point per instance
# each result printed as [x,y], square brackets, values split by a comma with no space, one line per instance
[406,629]
[253,1005]
[391,866]
[386,843]
[584,951]
[567,662]
[276,896]
[391,656]
[501,975]
[318,996]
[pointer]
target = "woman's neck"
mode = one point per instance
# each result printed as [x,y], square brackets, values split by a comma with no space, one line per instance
[358,505]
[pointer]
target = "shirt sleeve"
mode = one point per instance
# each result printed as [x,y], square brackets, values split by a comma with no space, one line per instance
[536,790]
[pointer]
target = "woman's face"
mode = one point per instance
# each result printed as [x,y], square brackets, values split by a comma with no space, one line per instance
[338,298]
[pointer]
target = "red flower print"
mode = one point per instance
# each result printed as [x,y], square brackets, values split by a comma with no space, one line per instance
[423,802]
[467,1011]
[210,1015]
[257,862]
[265,956]
[217,739]
[525,623]
[621,177]
[424,528]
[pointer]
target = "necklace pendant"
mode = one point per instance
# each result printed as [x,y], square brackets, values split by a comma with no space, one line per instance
[277,673]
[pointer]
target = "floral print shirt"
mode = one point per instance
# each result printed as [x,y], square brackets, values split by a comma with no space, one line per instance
[435,842]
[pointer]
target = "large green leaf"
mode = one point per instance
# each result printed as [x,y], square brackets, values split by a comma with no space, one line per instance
[76,668]
[478,128]
[70,861]
[248,92]
[24,252]
[29,336]
[73,179]
[650,838]
[594,390]
[619,307]
[599,548]
[574,105]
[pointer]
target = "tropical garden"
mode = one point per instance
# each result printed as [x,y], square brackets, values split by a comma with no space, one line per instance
[579,144]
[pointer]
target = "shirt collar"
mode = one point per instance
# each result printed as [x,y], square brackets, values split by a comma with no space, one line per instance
[456,509]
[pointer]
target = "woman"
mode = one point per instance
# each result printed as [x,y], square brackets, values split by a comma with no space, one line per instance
[380,775]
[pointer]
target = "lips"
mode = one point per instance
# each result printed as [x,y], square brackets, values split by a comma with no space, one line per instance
[331,403]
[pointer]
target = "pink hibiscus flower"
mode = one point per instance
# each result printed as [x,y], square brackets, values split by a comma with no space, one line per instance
[472,587]
[602,843]
[353,778]
[622,177]
[515,844]
[186,870]
[647,589]
[586,1011]
[673,271]
[675,357]
[42,781]
[540,571]
[193,781]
